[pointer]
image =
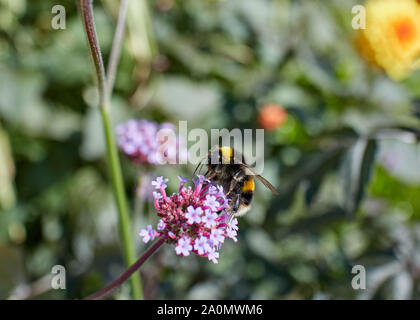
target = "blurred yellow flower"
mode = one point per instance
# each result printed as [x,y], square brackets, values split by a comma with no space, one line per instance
[391,39]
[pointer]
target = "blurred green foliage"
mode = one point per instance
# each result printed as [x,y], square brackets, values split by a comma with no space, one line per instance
[346,161]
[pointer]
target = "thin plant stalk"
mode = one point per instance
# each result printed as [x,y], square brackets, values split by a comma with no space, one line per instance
[111,148]
[133,268]
[114,57]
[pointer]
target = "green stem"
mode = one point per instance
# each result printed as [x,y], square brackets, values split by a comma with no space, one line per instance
[112,153]
[118,186]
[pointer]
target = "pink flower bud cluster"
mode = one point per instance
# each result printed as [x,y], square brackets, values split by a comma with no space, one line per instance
[194,219]
[147,142]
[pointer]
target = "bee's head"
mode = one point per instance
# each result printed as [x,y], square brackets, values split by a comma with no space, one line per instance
[222,155]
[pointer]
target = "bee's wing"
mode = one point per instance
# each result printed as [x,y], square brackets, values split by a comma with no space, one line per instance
[263,180]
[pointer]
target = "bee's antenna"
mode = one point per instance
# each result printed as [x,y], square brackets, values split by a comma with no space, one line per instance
[200,164]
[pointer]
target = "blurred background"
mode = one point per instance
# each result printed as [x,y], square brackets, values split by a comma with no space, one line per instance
[341,144]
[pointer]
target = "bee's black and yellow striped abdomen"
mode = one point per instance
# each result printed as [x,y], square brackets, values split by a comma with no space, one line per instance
[248,190]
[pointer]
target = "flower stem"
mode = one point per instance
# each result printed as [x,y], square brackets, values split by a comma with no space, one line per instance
[112,153]
[116,48]
[133,268]
[95,50]
[118,186]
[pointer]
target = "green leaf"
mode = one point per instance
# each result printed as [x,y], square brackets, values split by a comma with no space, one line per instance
[357,172]
[311,169]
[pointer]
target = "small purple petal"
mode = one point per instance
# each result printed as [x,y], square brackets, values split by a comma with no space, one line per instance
[160,183]
[202,245]
[230,233]
[157,195]
[211,202]
[209,219]
[213,256]
[217,237]
[183,246]
[147,234]
[233,224]
[161,225]
[194,215]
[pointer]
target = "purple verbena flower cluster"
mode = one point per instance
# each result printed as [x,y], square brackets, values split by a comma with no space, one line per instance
[194,219]
[147,142]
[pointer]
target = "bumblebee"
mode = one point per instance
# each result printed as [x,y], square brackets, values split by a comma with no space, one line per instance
[228,168]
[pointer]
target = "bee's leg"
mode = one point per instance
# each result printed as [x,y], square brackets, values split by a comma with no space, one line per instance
[236,205]
[206,173]
[198,166]
[235,179]
[214,172]
[234,209]
[212,175]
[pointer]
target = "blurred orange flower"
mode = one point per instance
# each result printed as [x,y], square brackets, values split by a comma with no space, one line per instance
[272,116]
[391,39]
